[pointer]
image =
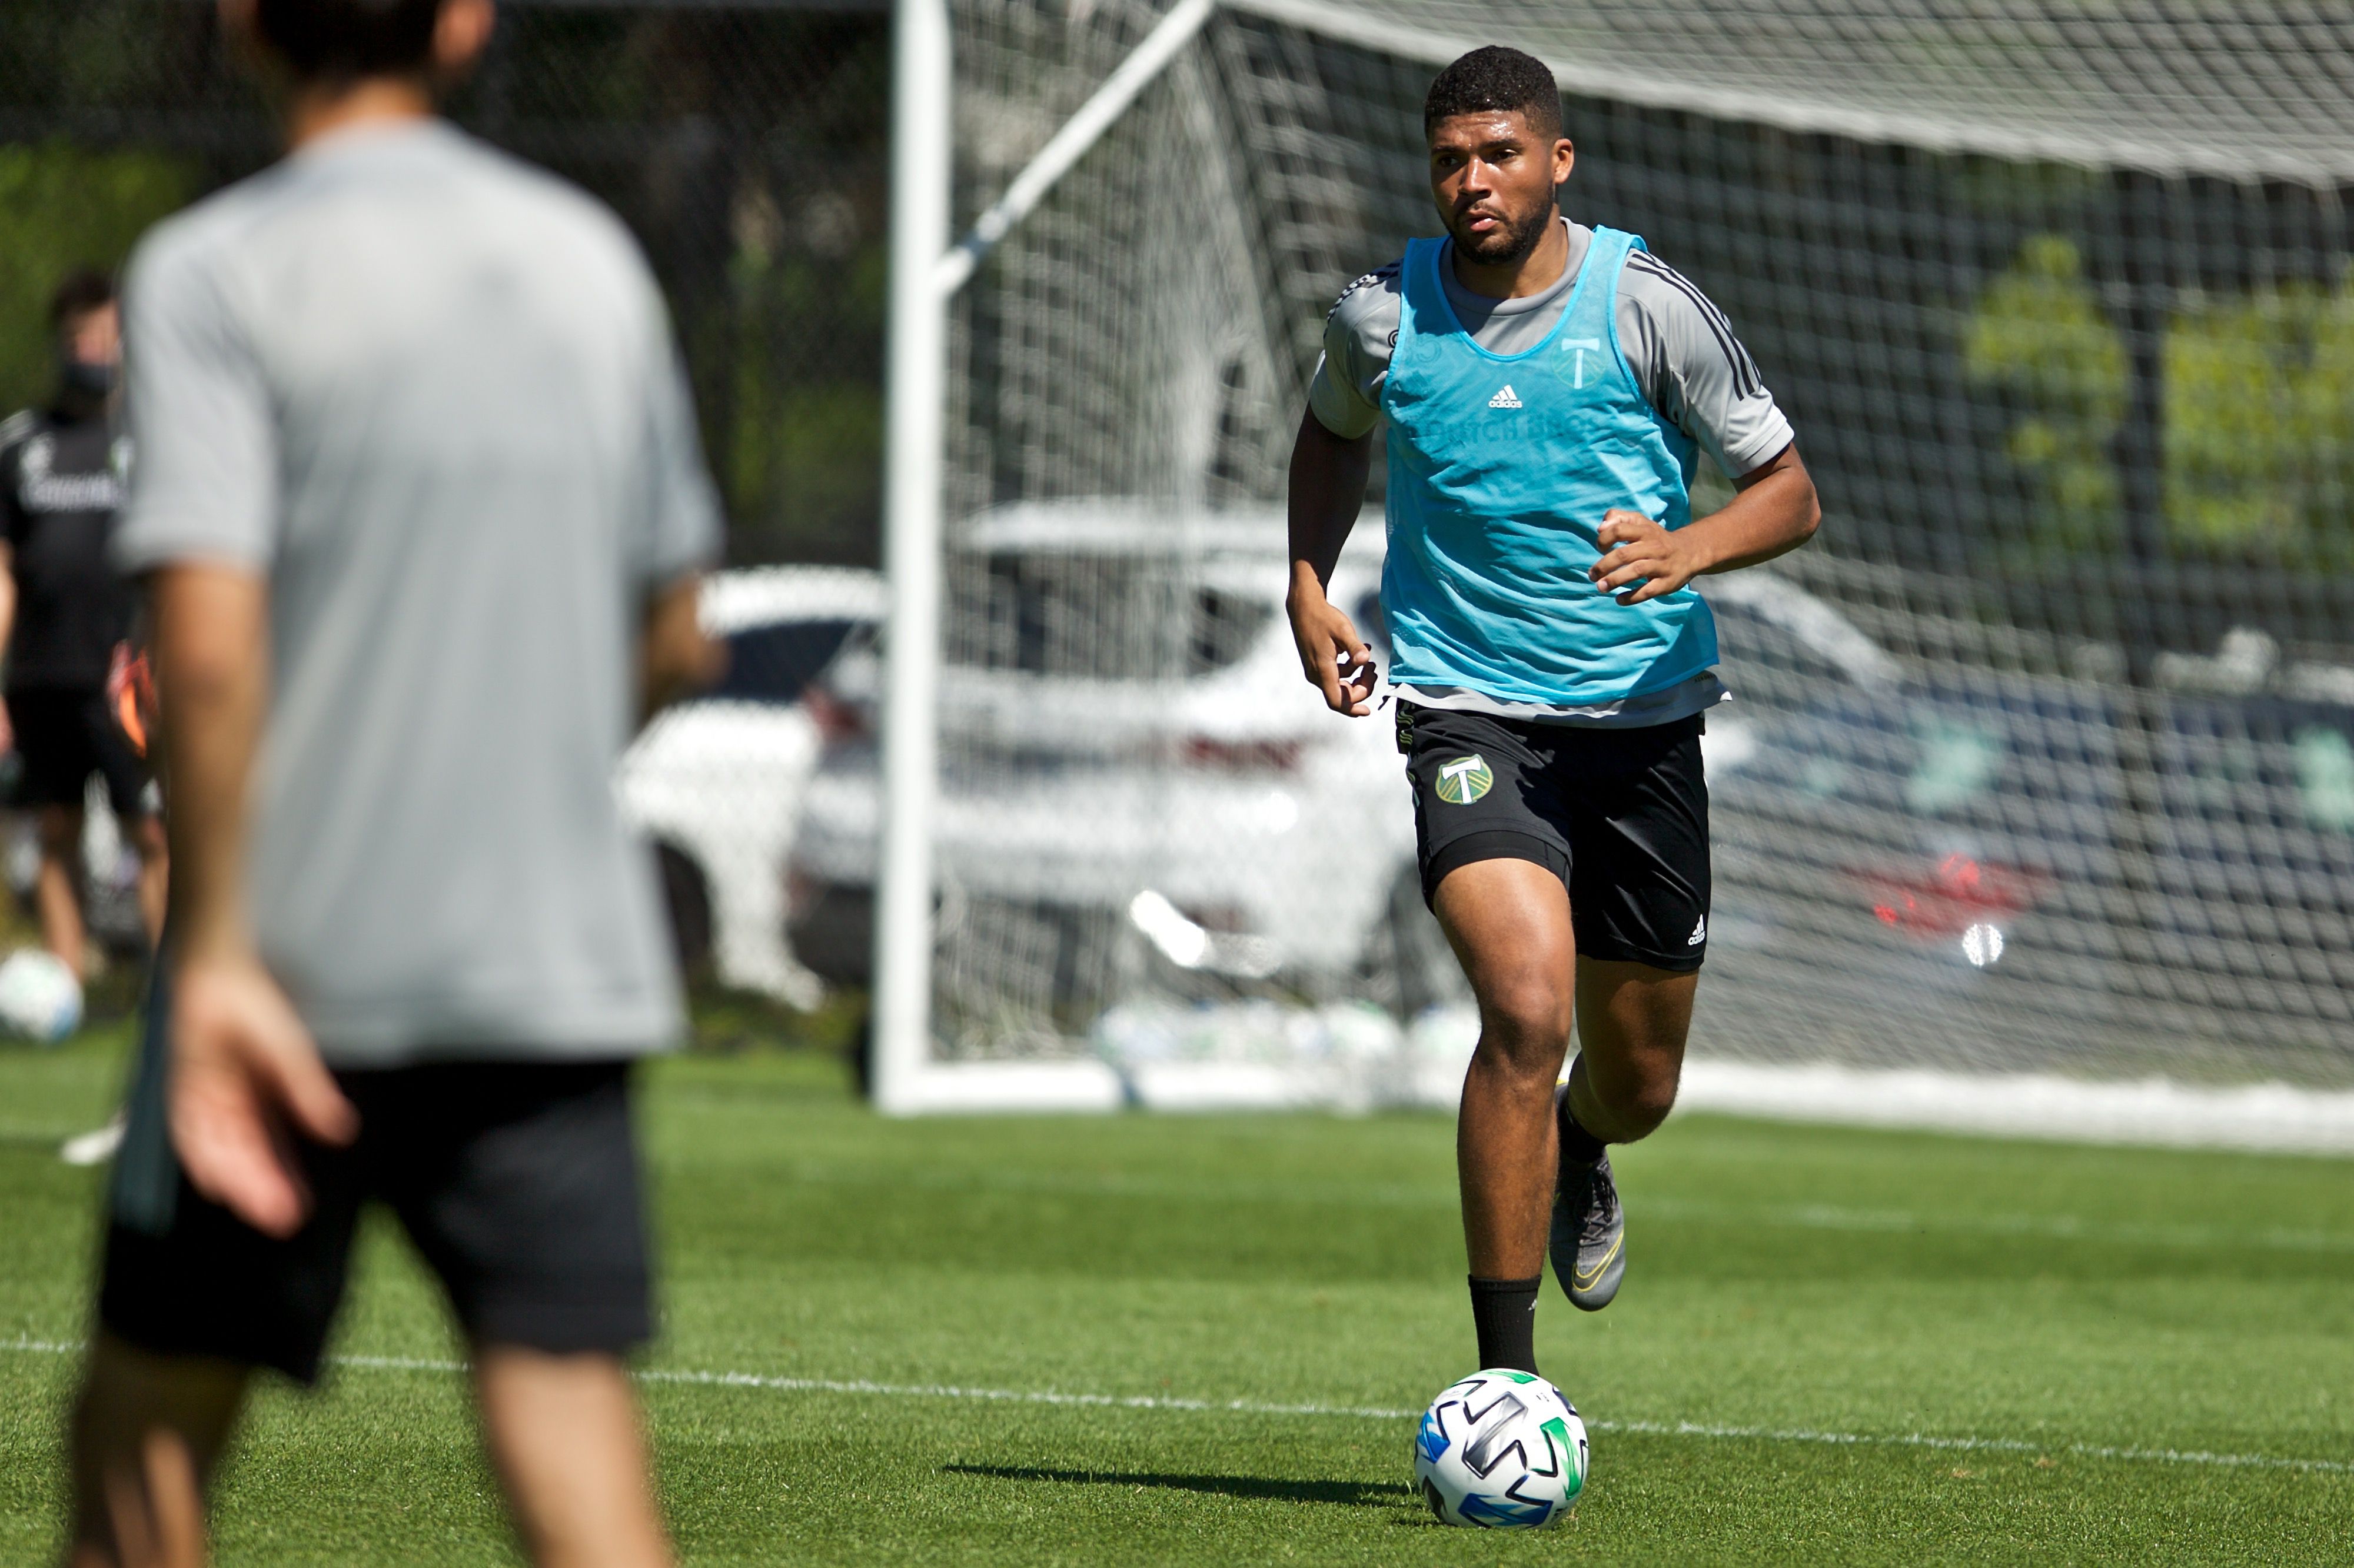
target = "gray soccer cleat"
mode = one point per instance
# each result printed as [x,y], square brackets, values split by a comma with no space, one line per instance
[1589,1241]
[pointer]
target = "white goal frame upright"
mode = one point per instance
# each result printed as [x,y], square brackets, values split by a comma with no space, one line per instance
[926,274]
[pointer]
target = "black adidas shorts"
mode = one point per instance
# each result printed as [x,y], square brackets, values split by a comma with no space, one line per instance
[516,1181]
[1619,815]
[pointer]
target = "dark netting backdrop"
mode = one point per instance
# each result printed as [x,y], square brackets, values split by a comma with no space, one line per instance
[747,145]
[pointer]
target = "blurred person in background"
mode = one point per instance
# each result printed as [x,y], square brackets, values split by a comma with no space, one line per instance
[421,515]
[1549,387]
[65,617]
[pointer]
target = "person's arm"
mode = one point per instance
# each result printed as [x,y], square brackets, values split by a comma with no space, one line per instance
[244,1072]
[7,595]
[1693,370]
[1331,458]
[675,659]
[7,634]
[199,532]
[12,532]
[680,532]
[1327,489]
[1773,511]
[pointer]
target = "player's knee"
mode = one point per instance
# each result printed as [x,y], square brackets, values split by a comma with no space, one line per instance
[1640,1105]
[1525,1024]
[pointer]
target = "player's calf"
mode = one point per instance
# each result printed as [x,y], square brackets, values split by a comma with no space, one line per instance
[1504,1161]
[1587,1236]
[1504,1139]
[1632,1022]
[1624,1108]
[1509,922]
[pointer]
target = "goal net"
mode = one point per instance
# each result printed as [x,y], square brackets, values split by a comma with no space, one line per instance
[2042,756]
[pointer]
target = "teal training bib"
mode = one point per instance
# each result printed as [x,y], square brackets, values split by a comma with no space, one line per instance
[1500,467]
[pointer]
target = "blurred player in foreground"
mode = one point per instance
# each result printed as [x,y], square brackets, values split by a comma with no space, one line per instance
[65,613]
[419,510]
[1547,387]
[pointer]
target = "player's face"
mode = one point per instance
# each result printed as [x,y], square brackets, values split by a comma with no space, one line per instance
[1493,177]
[93,337]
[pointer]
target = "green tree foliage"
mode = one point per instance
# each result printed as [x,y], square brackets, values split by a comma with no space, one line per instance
[2039,339]
[2260,425]
[2259,410]
[804,460]
[62,208]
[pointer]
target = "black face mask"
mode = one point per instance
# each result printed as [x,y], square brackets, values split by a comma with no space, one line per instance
[86,382]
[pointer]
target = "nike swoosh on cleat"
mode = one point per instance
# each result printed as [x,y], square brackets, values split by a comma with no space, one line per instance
[1582,1278]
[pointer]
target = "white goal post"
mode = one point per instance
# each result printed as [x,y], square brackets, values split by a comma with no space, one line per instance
[924,274]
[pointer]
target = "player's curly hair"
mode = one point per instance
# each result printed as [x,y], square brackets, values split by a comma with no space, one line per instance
[80,291]
[345,39]
[1492,80]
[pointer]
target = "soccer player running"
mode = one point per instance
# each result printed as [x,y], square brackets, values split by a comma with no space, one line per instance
[64,614]
[1547,387]
[420,509]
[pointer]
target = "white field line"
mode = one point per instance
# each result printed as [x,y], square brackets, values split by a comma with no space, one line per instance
[864,1387]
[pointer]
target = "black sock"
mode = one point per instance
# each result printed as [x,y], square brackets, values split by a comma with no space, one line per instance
[1578,1146]
[1504,1311]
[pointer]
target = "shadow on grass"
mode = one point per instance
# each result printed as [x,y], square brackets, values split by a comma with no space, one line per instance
[1353,1494]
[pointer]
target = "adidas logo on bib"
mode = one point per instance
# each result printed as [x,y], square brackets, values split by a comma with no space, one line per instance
[1507,399]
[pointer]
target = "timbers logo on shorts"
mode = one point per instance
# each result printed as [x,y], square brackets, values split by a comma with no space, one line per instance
[1465,779]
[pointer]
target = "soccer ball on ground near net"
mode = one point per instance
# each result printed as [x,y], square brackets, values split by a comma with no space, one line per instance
[1501,1450]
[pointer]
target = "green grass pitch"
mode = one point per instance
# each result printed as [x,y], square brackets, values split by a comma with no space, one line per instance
[1834,1346]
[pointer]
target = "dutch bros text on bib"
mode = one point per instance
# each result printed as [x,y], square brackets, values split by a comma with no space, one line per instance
[1500,467]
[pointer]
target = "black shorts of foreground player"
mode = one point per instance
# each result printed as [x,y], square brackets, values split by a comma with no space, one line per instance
[1547,388]
[419,515]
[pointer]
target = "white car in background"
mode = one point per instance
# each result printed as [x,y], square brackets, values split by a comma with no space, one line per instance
[718,782]
[1223,813]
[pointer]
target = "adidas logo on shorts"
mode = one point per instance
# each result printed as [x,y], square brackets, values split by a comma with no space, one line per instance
[1700,934]
[1507,399]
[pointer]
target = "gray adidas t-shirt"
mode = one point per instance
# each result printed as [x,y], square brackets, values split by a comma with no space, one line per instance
[1687,364]
[432,394]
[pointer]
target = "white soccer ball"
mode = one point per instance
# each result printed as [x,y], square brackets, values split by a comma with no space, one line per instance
[1500,1450]
[39,997]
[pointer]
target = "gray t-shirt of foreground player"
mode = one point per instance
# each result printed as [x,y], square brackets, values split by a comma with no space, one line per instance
[1687,364]
[432,394]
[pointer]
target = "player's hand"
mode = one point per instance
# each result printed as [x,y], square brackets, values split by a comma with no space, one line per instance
[1636,550]
[244,1080]
[1336,661]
